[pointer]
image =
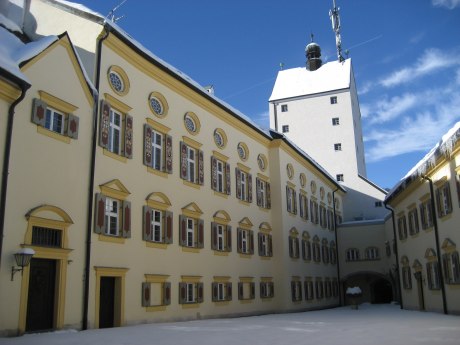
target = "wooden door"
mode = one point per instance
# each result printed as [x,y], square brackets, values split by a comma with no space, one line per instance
[107,302]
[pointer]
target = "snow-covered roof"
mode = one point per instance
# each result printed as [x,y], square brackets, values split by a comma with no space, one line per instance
[443,148]
[82,9]
[9,24]
[300,81]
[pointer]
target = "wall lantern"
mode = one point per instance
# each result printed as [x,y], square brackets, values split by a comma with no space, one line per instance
[22,258]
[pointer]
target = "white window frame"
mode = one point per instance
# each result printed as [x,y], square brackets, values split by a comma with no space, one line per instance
[244,181]
[111,214]
[352,254]
[220,237]
[190,232]
[191,164]
[157,149]
[372,253]
[290,200]
[435,281]
[115,129]
[156,226]
[221,292]
[190,293]
[220,175]
[426,216]
[263,196]
[245,241]
[50,119]
[264,243]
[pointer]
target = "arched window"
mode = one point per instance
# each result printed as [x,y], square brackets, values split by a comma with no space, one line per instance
[352,254]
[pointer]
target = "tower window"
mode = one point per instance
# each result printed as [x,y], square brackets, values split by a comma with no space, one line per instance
[378,204]
[284,108]
[334,100]
[338,147]
[285,128]
[339,177]
[335,121]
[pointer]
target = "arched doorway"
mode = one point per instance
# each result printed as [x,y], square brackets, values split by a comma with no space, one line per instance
[381,291]
[375,287]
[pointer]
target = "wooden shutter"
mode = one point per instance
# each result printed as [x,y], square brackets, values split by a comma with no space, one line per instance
[104,125]
[239,245]
[168,154]
[305,287]
[168,227]
[147,234]
[200,168]
[213,236]
[228,287]
[182,230]
[39,112]
[304,254]
[146,294]
[240,291]
[449,198]
[438,203]
[253,290]
[259,241]
[229,238]
[251,242]
[267,191]
[73,122]
[200,240]
[249,187]
[293,291]
[288,204]
[227,177]
[199,288]
[445,266]
[428,276]
[270,245]
[258,194]
[99,213]
[126,219]
[262,288]
[128,136]
[166,293]
[182,293]
[291,249]
[238,183]
[148,145]
[213,173]
[455,267]
[215,292]
[183,160]
[272,289]
[295,201]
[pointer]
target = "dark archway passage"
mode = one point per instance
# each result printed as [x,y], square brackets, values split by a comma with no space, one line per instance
[381,291]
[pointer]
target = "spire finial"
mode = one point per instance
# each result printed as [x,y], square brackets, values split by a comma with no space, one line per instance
[311,36]
[335,18]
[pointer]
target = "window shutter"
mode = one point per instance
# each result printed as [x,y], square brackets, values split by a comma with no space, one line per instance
[168,227]
[183,160]
[166,293]
[227,177]
[293,291]
[258,194]
[238,183]
[259,241]
[199,287]
[128,136]
[126,219]
[267,191]
[288,204]
[305,287]
[39,112]
[73,122]
[249,187]
[438,203]
[146,294]
[272,289]
[228,286]
[214,292]
[200,168]
[304,254]
[239,240]
[182,230]
[99,219]
[200,242]
[295,202]
[182,293]
[270,246]
[251,242]
[213,173]
[213,236]
[301,212]
[449,199]
[168,154]
[240,291]
[147,234]
[263,292]
[229,238]
[104,126]
[296,242]
[428,276]
[455,267]
[253,290]
[147,145]
[445,266]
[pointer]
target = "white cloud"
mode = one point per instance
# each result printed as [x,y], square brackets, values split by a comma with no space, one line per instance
[417,38]
[450,4]
[457,77]
[388,109]
[262,119]
[431,61]
[367,86]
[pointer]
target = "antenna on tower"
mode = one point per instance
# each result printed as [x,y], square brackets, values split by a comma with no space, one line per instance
[335,18]
[111,15]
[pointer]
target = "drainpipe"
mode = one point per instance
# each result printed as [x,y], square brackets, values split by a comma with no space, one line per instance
[398,280]
[438,250]
[91,185]
[275,112]
[337,248]
[6,154]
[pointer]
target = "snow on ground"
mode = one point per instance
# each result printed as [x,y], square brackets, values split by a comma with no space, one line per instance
[370,324]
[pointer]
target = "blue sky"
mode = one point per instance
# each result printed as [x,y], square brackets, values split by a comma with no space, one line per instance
[405,56]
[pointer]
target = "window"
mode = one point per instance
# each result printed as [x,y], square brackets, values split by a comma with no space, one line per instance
[316,250]
[322,216]
[158,104]
[451,266]
[192,123]
[262,162]
[330,218]
[265,244]
[221,291]
[263,193]
[388,248]
[245,241]
[296,291]
[191,232]
[113,216]
[432,272]
[306,249]
[334,100]
[407,277]
[243,185]
[402,227]
[46,237]
[191,164]
[246,290]
[243,151]
[285,128]
[426,214]
[221,237]
[220,138]
[157,149]
[339,177]
[378,204]
[291,200]
[328,288]
[335,121]
[116,131]
[54,120]
[413,222]
[284,108]
[319,288]
[338,147]
[335,288]
[112,207]
[220,174]
[303,206]
[308,287]
[157,225]
[352,254]
[267,289]
[190,292]
[156,291]
[293,246]
[325,251]
[118,80]
[444,200]
[333,253]
[372,253]
[314,211]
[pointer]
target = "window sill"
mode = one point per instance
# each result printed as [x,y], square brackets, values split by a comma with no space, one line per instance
[156,245]
[115,156]
[221,303]
[191,305]
[156,308]
[111,239]
[245,301]
[294,215]
[446,217]
[157,172]
[244,202]
[220,253]
[53,135]
[265,258]
[264,209]
[222,195]
[190,250]
[191,184]
[245,256]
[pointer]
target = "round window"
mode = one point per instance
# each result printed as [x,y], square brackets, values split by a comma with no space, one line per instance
[242,151]
[116,81]
[156,105]
[190,124]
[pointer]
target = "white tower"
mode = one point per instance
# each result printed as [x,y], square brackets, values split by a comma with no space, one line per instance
[318,109]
